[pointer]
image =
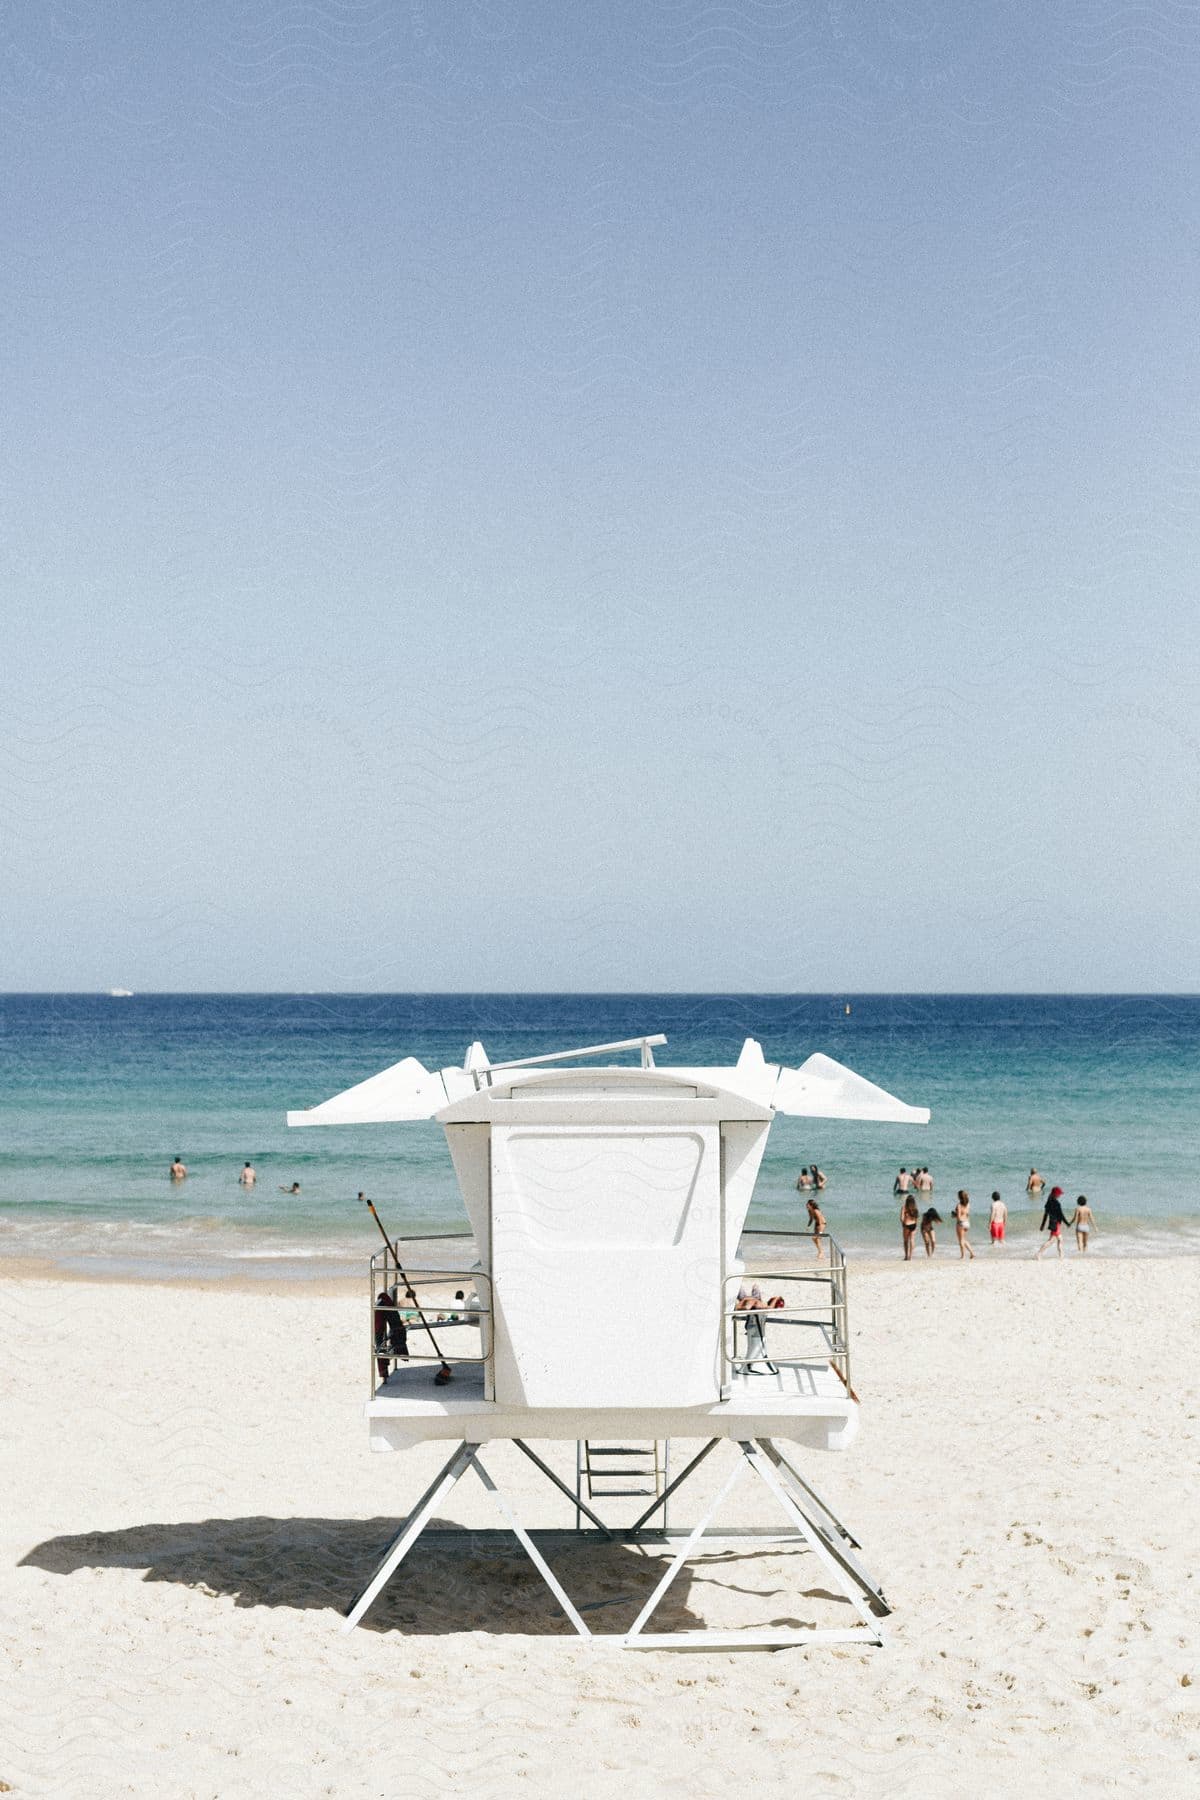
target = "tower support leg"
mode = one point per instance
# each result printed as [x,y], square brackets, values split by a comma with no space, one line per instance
[829,1528]
[809,1518]
[411,1530]
[826,1538]
[465,1457]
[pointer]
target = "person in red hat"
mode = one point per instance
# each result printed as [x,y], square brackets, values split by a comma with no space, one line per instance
[1053,1220]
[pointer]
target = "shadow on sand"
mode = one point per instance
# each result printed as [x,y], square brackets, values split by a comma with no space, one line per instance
[453,1580]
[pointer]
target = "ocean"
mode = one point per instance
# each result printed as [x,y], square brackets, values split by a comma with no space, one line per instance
[98,1094]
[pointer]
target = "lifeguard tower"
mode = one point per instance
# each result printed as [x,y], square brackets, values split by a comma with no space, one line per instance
[607,1303]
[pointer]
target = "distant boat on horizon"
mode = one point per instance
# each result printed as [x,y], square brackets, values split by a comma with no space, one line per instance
[120,993]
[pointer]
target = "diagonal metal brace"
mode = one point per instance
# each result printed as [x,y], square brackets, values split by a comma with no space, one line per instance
[672,1485]
[562,1487]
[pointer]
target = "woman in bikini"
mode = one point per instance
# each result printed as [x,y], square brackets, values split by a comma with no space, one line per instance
[962,1224]
[929,1219]
[816,1219]
[910,1218]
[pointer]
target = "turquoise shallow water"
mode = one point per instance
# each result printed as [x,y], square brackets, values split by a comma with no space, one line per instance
[97,1095]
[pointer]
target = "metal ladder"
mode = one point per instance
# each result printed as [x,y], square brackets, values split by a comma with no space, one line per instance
[621,1471]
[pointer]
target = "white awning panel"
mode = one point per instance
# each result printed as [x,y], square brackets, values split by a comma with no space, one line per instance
[824,1089]
[408,1090]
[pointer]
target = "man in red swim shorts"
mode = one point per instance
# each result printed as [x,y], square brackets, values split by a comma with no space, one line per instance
[997,1219]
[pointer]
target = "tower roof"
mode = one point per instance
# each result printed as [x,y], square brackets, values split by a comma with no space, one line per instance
[751,1088]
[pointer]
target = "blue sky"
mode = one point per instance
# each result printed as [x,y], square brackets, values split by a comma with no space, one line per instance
[654,496]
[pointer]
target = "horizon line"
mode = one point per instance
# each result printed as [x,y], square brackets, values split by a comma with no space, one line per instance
[604,993]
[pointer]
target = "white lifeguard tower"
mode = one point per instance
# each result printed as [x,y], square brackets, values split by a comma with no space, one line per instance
[608,1304]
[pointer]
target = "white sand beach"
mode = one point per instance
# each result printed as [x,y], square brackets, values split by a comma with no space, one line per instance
[190,1502]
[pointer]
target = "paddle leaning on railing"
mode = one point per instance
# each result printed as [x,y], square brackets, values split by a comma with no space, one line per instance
[427,1315]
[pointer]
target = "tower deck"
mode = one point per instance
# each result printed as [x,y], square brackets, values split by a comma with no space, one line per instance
[805,1403]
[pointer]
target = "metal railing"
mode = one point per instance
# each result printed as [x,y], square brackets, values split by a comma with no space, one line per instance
[817,1315]
[420,1320]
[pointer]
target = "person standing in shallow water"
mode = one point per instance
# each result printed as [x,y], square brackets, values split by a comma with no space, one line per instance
[910,1218]
[929,1219]
[997,1219]
[1053,1220]
[962,1224]
[247,1178]
[178,1170]
[816,1219]
[1035,1184]
[1084,1222]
